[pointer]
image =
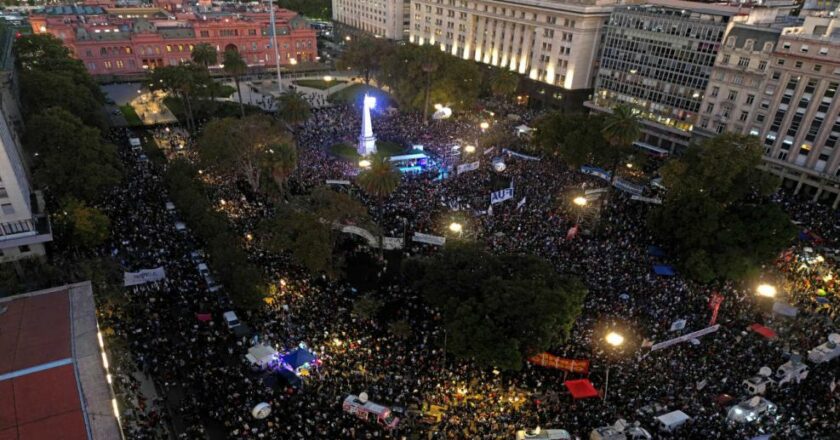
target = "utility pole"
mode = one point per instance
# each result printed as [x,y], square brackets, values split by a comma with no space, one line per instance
[276,49]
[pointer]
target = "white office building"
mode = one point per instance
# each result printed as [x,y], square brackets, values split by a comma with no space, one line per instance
[379,18]
[551,41]
[24,226]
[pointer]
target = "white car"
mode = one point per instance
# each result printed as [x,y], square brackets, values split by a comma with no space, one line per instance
[231,320]
[751,410]
[826,351]
[544,434]
[791,371]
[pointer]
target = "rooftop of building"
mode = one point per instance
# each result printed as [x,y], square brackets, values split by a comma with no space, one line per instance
[687,8]
[51,363]
[758,34]
[72,10]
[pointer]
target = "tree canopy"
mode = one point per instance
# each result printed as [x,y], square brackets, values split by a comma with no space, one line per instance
[497,309]
[715,217]
[50,77]
[242,148]
[69,157]
[311,8]
[407,71]
[364,55]
[305,229]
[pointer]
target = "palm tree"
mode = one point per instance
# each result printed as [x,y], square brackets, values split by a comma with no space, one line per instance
[379,181]
[294,109]
[280,162]
[235,66]
[621,129]
[205,55]
[429,66]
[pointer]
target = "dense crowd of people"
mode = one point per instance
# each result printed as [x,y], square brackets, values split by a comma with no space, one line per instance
[210,388]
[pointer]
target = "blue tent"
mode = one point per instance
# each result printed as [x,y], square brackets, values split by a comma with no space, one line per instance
[299,357]
[664,270]
[290,377]
[655,251]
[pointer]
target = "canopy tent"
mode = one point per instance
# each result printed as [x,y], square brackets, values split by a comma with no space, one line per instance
[261,354]
[298,358]
[581,388]
[655,251]
[664,270]
[763,331]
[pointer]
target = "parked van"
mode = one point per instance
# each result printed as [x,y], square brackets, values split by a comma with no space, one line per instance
[672,421]
[231,320]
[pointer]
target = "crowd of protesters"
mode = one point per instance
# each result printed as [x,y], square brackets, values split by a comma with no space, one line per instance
[210,388]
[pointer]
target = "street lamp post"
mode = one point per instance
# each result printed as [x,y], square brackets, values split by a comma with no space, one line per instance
[614,339]
[456,228]
[581,203]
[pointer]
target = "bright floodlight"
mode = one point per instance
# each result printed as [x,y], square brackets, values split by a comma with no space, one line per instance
[766,290]
[327,78]
[614,339]
[364,163]
[370,102]
[580,201]
[469,149]
[455,227]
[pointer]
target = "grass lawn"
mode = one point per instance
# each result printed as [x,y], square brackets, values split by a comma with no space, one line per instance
[348,152]
[318,83]
[207,109]
[225,91]
[354,93]
[130,115]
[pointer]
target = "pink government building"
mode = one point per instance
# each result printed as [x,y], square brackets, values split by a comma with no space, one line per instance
[128,40]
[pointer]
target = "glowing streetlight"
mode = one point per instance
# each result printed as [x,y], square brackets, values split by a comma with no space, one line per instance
[456,227]
[629,165]
[469,149]
[249,236]
[293,61]
[580,201]
[766,290]
[484,125]
[347,38]
[328,78]
[614,339]
[364,163]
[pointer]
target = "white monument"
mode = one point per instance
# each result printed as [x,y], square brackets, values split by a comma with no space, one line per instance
[367,141]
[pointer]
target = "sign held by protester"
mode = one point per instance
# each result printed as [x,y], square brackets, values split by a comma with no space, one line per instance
[429,239]
[684,338]
[144,276]
[467,167]
[501,195]
[654,200]
[551,361]
[337,182]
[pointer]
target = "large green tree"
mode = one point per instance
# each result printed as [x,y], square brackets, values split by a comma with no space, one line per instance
[184,81]
[574,138]
[497,310]
[621,128]
[715,217]
[50,77]
[379,181]
[415,73]
[293,109]
[86,227]
[306,227]
[235,66]
[321,9]
[69,157]
[365,56]
[242,148]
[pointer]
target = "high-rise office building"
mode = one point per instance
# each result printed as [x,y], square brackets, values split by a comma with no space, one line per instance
[798,113]
[658,58]
[379,18]
[552,42]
